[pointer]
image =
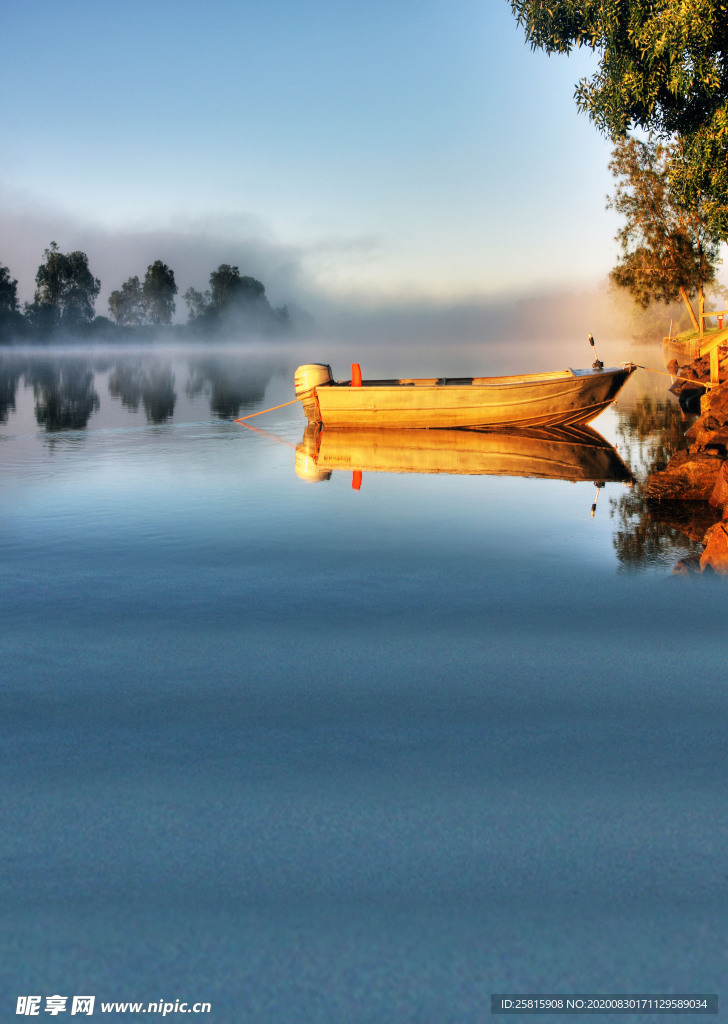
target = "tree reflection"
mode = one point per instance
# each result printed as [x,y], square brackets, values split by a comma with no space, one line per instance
[158,394]
[650,532]
[230,387]
[64,392]
[11,370]
[137,382]
[126,382]
[651,430]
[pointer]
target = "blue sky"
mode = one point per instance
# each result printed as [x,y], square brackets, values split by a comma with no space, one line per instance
[366,153]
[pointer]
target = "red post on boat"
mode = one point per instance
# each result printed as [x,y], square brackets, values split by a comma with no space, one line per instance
[355,375]
[356,479]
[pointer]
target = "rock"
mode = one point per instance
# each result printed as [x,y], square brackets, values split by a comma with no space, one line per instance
[686,378]
[713,418]
[714,405]
[698,370]
[715,556]
[719,497]
[687,477]
[700,436]
[694,475]
[687,566]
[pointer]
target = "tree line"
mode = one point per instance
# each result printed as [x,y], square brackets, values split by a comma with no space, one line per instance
[65,296]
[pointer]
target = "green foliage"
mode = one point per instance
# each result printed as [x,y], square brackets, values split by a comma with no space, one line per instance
[65,291]
[127,305]
[159,291]
[663,68]
[667,250]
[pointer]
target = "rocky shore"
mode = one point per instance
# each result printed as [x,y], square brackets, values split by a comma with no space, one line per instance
[700,473]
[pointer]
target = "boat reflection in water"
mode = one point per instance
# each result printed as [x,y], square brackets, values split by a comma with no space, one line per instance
[575,453]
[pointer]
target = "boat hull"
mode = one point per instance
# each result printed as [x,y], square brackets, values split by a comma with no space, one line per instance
[556,453]
[533,400]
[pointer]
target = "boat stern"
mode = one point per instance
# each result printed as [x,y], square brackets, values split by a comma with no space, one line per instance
[305,381]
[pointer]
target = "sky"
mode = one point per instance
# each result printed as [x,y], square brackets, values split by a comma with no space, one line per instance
[394,151]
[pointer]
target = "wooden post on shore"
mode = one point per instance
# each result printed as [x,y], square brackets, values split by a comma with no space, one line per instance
[709,346]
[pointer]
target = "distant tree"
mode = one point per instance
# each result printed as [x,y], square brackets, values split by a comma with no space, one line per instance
[225,284]
[663,68]
[233,302]
[668,251]
[159,291]
[198,304]
[102,327]
[229,290]
[230,293]
[10,318]
[8,292]
[127,305]
[65,293]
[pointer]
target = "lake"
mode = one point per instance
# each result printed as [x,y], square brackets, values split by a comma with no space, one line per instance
[317,752]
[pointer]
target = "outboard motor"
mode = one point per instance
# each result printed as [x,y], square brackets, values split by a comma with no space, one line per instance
[308,377]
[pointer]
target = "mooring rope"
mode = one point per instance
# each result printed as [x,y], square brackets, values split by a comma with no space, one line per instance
[677,376]
[272,409]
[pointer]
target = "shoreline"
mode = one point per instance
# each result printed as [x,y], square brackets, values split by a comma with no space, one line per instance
[699,473]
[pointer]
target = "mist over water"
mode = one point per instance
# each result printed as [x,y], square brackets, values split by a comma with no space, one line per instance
[319,754]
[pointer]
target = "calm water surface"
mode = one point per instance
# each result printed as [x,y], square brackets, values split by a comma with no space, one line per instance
[312,753]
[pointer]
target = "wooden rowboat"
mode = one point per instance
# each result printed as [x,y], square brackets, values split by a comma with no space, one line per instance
[576,453]
[528,400]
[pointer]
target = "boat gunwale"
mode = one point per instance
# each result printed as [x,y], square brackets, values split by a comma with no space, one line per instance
[515,380]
